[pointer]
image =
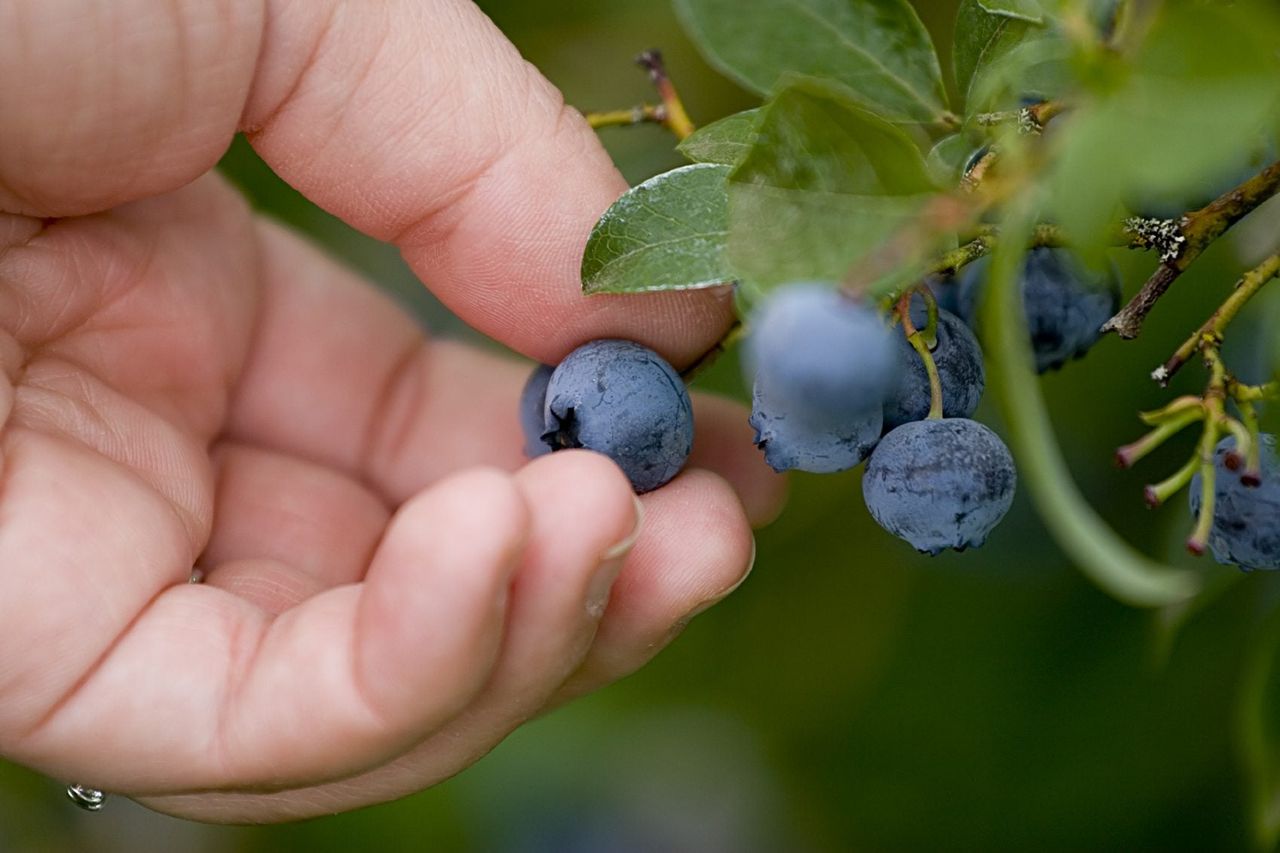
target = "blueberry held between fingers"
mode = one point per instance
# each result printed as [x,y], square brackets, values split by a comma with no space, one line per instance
[621,399]
[821,355]
[533,401]
[790,442]
[939,483]
[1246,519]
[1065,304]
[959,361]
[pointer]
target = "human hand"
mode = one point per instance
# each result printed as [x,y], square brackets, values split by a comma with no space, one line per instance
[390,589]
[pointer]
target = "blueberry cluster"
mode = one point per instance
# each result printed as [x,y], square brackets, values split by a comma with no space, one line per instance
[834,384]
[615,397]
[1246,512]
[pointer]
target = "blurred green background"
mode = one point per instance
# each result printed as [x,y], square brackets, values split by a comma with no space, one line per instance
[852,695]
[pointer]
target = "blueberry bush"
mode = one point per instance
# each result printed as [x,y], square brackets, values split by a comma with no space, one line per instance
[894,253]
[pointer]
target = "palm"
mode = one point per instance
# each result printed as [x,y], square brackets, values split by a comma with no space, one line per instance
[189,386]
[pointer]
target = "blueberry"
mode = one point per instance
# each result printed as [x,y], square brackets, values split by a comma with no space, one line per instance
[1246,520]
[533,401]
[623,400]
[821,355]
[939,483]
[790,442]
[1065,304]
[959,361]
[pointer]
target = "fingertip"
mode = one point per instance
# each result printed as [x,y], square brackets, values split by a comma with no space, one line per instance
[696,548]
[725,444]
[713,556]
[595,479]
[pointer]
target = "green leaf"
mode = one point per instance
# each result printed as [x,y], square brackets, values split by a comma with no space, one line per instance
[982,37]
[1038,63]
[665,234]
[946,160]
[825,181]
[782,235]
[1023,10]
[878,48]
[813,137]
[1191,112]
[725,141]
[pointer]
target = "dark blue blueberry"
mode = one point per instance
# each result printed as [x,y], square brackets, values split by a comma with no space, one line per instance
[1246,519]
[1065,303]
[533,401]
[623,400]
[791,443]
[959,361]
[939,483]
[821,355]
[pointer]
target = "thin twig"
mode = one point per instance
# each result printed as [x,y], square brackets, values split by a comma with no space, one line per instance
[1198,230]
[670,113]
[1211,331]
[676,119]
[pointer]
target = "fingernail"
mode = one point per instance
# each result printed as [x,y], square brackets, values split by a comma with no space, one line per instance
[624,546]
[611,564]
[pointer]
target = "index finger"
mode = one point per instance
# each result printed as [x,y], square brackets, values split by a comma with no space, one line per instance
[453,147]
[416,121]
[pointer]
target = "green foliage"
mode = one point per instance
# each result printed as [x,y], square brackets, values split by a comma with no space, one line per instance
[824,182]
[1194,101]
[725,141]
[1036,63]
[828,178]
[666,234]
[946,159]
[981,38]
[877,48]
[1022,10]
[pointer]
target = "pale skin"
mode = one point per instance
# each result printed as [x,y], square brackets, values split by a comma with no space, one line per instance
[391,588]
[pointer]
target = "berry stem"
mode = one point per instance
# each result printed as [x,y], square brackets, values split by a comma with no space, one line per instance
[930,330]
[1131,454]
[1242,393]
[1212,331]
[1200,536]
[1253,459]
[1158,493]
[1214,417]
[1175,409]
[916,338]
